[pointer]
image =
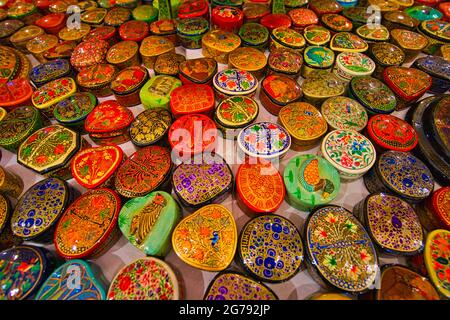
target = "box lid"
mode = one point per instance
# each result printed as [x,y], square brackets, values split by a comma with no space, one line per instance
[235,82]
[14,93]
[193,8]
[129,80]
[163,27]
[260,186]
[344,113]
[192,98]
[318,57]
[288,37]
[162,283]
[393,224]
[373,94]
[122,51]
[253,34]
[91,167]
[157,90]
[285,61]
[281,90]
[316,35]
[75,108]
[94,16]
[322,84]
[399,17]
[408,83]
[355,63]
[55,288]
[74,34]
[39,208]
[423,13]
[116,16]
[346,41]
[52,92]
[356,14]
[435,256]
[311,181]
[145,12]
[437,29]
[168,63]
[9,27]
[108,116]
[435,66]
[9,64]
[325,6]
[48,149]
[352,266]
[143,172]
[88,53]
[378,33]
[101,33]
[275,20]
[264,140]
[87,223]
[5,211]
[96,76]
[155,45]
[266,234]
[134,30]
[226,14]
[409,40]
[348,151]
[336,22]
[62,50]
[18,124]
[150,126]
[42,43]
[207,238]
[441,204]
[193,26]
[199,70]
[303,17]
[26,33]
[49,71]
[221,40]
[387,54]
[248,59]
[236,112]
[147,222]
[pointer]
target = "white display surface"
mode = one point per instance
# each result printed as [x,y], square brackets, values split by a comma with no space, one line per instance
[194,282]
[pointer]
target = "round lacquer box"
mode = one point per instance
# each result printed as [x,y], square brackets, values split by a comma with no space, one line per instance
[145,279]
[310,181]
[340,253]
[262,248]
[231,285]
[40,44]
[344,113]
[304,123]
[278,91]
[434,212]
[388,132]
[351,153]
[348,42]
[97,167]
[234,82]
[321,85]
[435,255]
[317,35]
[317,58]
[92,283]
[197,185]
[153,46]
[146,170]
[148,222]
[254,35]
[165,28]
[265,140]
[384,55]
[191,31]
[191,99]
[227,18]
[392,224]
[353,64]
[124,54]
[150,127]
[36,154]
[207,238]
[17,125]
[401,174]
[38,210]
[15,93]
[260,187]
[73,111]
[248,59]
[400,283]
[108,123]
[88,228]
[233,114]
[218,44]
[287,38]
[127,84]
[23,270]
[20,38]
[134,30]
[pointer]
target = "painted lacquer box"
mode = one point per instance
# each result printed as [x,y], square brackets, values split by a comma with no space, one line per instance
[231,285]
[321,85]
[277,91]
[392,224]
[88,227]
[148,222]
[248,59]
[310,181]
[74,34]
[286,62]
[153,46]
[348,42]
[127,84]
[145,279]
[15,93]
[401,174]
[400,283]
[192,98]
[150,127]
[134,30]
[218,44]
[353,64]
[234,82]
[351,153]
[146,170]
[340,252]
[437,33]
[109,122]
[20,38]
[227,18]
[58,284]
[207,238]
[17,125]
[264,140]
[259,186]
[384,55]
[73,111]
[317,35]
[168,64]
[124,54]
[38,45]
[156,92]
[22,271]
[283,37]
[439,70]
[344,113]
[254,35]
[391,133]
[7,237]
[46,97]
[49,151]
[10,183]
[200,70]
[304,123]
[409,41]
[196,185]
[97,79]
[51,70]
[190,32]
[270,248]
[373,95]
[336,22]
[437,257]
[434,212]
[89,53]
[38,210]
[317,58]
[97,167]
